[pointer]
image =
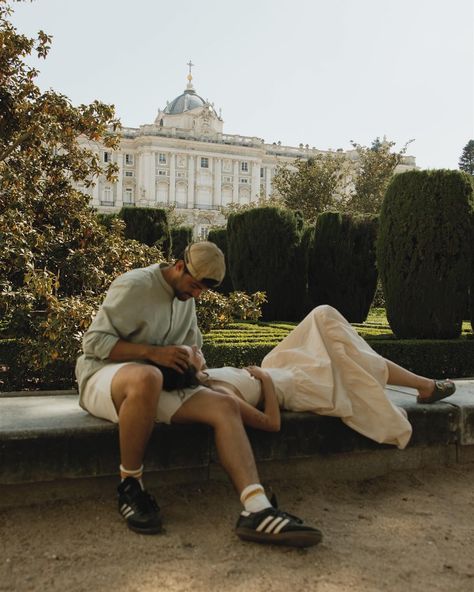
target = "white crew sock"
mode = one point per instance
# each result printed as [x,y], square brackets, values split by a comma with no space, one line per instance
[135,473]
[254,499]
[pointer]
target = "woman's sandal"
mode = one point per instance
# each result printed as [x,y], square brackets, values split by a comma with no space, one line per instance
[442,389]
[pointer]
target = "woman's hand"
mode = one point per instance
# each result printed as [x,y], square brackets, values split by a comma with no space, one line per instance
[257,372]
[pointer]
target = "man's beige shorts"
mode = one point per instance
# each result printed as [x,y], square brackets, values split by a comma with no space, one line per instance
[97,398]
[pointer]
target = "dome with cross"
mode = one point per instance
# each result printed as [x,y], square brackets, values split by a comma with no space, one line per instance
[185,102]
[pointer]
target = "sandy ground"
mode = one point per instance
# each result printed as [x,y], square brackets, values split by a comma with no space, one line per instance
[401,532]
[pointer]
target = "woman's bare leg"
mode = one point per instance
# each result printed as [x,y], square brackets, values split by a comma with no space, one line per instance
[399,376]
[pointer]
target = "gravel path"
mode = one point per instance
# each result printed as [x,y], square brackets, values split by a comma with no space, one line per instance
[405,531]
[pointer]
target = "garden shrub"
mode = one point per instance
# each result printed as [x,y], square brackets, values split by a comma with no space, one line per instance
[148,226]
[181,237]
[341,264]
[424,252]
[264,248]
[107,220]
[218,236]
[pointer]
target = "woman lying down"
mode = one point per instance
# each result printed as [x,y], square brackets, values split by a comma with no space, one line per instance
[322,366]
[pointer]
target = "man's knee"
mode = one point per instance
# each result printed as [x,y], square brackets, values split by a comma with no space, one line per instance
[138,382]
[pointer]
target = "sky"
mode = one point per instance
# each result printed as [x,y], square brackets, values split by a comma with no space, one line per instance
[317,72]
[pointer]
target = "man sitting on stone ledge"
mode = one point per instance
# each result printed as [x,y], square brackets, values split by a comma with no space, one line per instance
[147,315]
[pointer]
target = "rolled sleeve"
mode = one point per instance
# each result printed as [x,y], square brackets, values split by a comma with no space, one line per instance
[115,320]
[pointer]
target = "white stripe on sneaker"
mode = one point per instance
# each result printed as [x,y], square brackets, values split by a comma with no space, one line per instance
[127,511]
[275,522]
[280,526]
[263,523]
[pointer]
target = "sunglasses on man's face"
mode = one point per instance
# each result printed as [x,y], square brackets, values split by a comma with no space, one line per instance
[208,282]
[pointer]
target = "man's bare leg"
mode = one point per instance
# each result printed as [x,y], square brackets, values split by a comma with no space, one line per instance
[135,391]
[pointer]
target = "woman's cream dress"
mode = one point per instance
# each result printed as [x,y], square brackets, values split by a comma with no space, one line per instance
[325,367]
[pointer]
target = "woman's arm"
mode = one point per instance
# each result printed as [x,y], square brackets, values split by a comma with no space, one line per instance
[269,419]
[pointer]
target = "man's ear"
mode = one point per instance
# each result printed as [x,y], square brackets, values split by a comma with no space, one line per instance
[179,265]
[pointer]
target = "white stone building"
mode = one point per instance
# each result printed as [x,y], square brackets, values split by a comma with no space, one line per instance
[184,159]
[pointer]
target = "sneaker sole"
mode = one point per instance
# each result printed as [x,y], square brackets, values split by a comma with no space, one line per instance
[303,538]
[148,530]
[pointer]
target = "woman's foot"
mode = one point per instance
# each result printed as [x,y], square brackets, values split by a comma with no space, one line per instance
[436,391]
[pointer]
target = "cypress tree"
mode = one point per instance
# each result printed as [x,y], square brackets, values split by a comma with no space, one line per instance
[218,236]
[466,162]
[424,252]
[181,236]
[148,226]
[341,264]
[264,251]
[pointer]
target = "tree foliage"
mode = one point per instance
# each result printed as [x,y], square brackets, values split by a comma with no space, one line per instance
[335,181]
[466,162]
[56,259]
[372,171]
[313,186]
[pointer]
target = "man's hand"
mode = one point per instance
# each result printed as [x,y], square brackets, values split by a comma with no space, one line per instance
[172,356]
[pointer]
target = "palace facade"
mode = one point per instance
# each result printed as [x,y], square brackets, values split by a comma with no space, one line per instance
[184,159]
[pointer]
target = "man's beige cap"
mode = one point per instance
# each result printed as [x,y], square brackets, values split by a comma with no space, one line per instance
[205,262]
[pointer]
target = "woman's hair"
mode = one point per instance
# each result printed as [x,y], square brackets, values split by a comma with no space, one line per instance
[175,381]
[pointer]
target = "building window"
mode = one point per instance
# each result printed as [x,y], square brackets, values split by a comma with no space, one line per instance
[107,196]
[162,173]
[129,173]
[262,173]
[162,158]
[244,167]
[203,232]
[227,179]
[204,163]
[107,156]
[129,159]
[128,196]
[243,180]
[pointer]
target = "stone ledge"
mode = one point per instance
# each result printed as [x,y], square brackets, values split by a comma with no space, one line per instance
[48,438]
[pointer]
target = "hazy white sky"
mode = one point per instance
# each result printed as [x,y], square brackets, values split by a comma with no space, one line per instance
[317,72]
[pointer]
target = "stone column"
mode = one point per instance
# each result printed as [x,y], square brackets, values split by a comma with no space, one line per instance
[143,174]
[235,192]
[172,186]
[217,197]
[119,185]
[268,181]
[191,166]
[255,191]
[95,198]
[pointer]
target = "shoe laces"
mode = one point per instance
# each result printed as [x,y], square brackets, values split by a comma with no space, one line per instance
[145,502]
[283,514]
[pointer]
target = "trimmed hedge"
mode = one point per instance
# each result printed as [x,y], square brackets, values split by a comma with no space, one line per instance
[341,264]
[433,358]
[218,236]
[181,237]
[265,253]
[148,226]
[424,252]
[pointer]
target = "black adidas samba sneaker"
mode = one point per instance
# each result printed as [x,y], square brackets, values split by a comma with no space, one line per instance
[273,526]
